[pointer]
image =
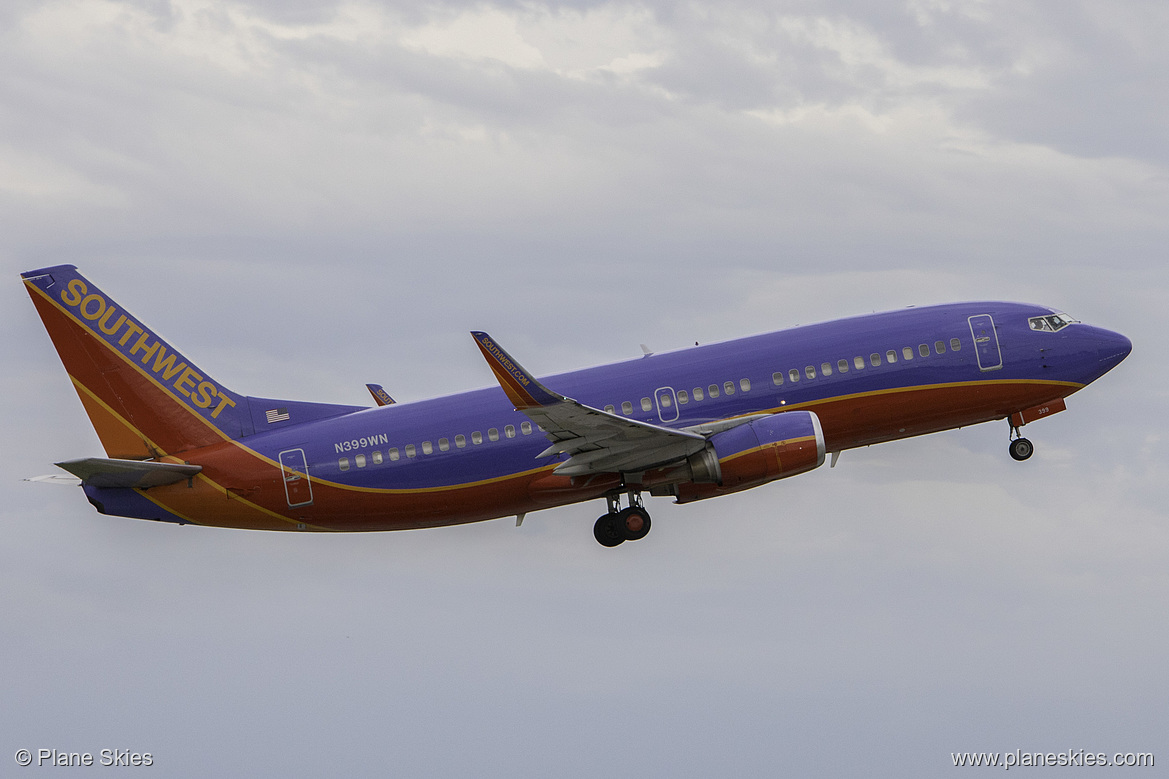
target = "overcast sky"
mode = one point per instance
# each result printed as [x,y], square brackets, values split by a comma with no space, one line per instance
[307,196]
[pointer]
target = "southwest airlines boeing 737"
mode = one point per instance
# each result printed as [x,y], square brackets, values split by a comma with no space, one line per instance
[691,424]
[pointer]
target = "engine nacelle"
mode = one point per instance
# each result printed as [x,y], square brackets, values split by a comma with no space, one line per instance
[755,453]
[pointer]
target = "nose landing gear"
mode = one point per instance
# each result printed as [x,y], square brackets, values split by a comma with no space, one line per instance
[1020,447]
[622,524]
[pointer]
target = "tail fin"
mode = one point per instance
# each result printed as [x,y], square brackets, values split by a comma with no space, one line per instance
[144,398]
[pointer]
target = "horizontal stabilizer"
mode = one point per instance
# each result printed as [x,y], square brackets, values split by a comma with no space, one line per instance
[56,478]
[101,472]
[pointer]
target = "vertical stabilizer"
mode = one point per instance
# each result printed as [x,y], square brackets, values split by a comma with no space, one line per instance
[144,397]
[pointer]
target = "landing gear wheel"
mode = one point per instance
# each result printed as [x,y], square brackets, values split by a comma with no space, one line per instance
[609,531]
[634,521]
[1021,449]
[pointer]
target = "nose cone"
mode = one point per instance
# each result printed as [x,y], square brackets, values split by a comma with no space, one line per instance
[1097,351]
[1111,348]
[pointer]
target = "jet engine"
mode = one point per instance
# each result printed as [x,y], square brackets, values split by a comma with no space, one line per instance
[754,453]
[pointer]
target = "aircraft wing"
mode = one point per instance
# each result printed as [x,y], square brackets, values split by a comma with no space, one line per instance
[595,440]
[102,472]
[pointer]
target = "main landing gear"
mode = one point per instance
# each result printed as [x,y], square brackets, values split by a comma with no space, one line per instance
[622,524]
[1020,448]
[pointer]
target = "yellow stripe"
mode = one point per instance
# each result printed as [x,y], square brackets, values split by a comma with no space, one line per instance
[89,393]
[896,390]
[444,488]
[229,496]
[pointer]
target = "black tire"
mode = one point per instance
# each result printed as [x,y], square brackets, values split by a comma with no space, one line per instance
[634,523]
[1021,449]
[608,531]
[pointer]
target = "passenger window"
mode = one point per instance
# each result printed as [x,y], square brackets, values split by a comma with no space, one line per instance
[698,393]
[794,375]
[858,363]
[940,347]
[729,387]
[377,458]
[842,366]
[777,378]
[427,447]
[493,434]
[394,454]
[745,385]
[460,440]
[907,352]
[875,360]
[826,368]
[665,401]
[344,463]
[810,371]
[444,444]
[509,431]
[608,408]
[526,427]
[359,460]
[683,398]
[891,356]
[626,408]
[647,404]
[411,451]
[476,438]
[955,345]
[923,350]
[712,391]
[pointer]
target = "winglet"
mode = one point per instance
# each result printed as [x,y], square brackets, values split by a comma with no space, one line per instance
[380,395]
[521,387]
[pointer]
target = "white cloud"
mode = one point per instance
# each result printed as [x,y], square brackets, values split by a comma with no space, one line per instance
[40,182]
[860,50]
[566,42]
[483,33]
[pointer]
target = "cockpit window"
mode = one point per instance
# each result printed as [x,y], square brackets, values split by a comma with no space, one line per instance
[1051,323]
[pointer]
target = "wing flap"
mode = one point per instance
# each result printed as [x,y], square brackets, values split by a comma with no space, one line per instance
[103,472]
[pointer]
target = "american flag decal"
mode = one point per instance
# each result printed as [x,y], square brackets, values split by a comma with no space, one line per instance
[276,415]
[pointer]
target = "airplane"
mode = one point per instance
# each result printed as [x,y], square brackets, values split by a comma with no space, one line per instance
[691,424]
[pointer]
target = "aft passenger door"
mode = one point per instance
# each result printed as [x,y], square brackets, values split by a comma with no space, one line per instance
[986,342]
[298,486]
